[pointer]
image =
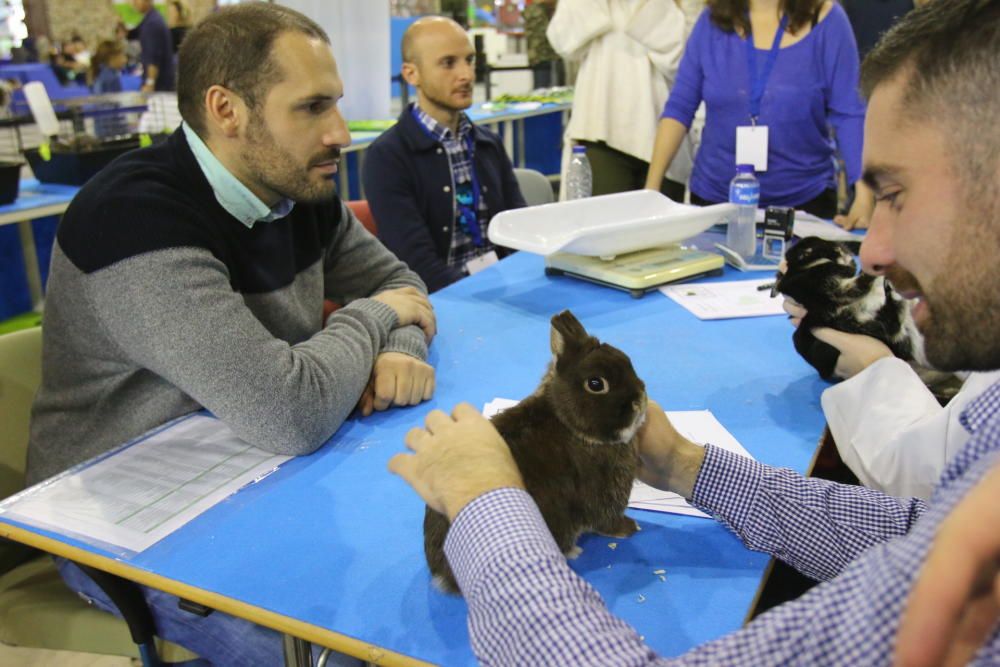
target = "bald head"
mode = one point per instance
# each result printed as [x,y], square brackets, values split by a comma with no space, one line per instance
[428,30]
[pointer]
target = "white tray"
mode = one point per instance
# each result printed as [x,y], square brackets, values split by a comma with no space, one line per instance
[605,225]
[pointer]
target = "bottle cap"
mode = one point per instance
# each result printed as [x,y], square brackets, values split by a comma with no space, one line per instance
[579,149]
[744,169]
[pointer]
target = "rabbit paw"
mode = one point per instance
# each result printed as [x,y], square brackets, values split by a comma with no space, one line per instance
[573,552]
[622,527]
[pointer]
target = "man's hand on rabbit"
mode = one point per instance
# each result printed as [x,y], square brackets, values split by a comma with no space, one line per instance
[667,460]
[456,458]
[397,379]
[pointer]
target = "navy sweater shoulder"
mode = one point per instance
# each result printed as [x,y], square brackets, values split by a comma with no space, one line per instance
[157,198]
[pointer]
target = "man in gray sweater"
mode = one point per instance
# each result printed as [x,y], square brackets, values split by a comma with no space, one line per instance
[192,274]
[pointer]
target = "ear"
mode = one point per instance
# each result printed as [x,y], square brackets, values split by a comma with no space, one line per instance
[225,110]
[411,74]
[567,333]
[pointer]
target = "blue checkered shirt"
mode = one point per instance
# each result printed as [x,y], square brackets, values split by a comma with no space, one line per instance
[462,248]
[526,607]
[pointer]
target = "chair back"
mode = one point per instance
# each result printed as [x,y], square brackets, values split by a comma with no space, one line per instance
[20,375]
[363,213]
[535,187]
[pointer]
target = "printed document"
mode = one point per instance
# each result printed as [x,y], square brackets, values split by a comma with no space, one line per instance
[719,301]
[142,493]
[698,426]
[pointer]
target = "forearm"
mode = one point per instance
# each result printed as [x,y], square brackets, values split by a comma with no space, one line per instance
[770,509]
[504,558]
[178,317]
[150,72]
[669,135]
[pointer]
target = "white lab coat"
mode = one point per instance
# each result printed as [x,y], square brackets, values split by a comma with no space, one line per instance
[891,431]
[628,53]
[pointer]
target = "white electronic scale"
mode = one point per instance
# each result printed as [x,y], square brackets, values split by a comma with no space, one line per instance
[628,240]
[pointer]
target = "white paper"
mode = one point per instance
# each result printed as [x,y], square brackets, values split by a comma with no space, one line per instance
[477,264]
[822,229]
[718,301]
[698,426]
[138,496]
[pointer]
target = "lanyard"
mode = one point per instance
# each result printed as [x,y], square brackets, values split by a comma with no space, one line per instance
[758,80]
[472,225]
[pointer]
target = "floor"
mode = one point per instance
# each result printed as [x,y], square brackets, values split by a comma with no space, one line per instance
[28,657]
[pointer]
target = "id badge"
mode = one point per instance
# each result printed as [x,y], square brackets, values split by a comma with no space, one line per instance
[751,146]
[474,266]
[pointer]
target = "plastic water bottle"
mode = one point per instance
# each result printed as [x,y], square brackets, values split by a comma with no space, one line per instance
[579,178]
[744,191]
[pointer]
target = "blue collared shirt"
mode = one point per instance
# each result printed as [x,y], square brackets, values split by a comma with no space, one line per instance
[235,197]
[526,606]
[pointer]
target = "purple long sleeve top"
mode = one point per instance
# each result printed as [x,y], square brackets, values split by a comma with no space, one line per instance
[813,88]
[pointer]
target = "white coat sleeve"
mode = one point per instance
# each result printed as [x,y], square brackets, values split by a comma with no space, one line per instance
[660,26]
[889,429]
[575,24]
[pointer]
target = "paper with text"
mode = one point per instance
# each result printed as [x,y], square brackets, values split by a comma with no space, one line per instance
[719,301]
[698,426]
[139,495]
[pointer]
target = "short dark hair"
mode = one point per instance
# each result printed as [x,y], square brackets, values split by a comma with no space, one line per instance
[233,48]
[950,51]
[731,15]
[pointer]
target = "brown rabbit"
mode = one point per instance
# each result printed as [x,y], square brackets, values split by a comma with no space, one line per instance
[574,442]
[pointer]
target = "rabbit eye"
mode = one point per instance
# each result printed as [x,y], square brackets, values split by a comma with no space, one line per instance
[596,385]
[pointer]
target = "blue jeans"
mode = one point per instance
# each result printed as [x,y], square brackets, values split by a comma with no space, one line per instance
[219,639]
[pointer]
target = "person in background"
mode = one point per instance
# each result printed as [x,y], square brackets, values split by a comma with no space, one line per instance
[627,51]
[191,274]
[774,77]
[129,39]
[105,77]
[65,64]
[547,68]
[179,20]
[105,74]
[935,228]
[157,52]
[435,180]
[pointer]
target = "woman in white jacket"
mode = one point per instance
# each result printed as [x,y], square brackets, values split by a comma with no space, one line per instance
[628,52]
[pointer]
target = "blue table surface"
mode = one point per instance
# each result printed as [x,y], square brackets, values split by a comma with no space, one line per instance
[335,540]
[33,194]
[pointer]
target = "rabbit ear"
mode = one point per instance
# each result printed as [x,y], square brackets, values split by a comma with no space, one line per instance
[567,333]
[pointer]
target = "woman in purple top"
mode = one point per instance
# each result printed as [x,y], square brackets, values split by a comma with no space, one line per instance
[808,96]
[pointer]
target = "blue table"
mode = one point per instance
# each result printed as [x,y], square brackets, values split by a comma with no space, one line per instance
[35,200]
[329,548]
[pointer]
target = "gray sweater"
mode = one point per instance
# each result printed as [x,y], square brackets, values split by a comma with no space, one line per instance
[160,303]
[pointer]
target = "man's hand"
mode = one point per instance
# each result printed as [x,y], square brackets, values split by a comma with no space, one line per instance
[455,460]
[956,600]
[667,460]
[397,379]
[857,351]
[412,307]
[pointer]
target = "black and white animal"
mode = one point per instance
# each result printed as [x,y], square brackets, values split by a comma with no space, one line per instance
[574,441]
[823,276]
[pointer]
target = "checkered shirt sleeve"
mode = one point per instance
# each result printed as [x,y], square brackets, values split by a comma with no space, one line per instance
[527,607]
[814,525]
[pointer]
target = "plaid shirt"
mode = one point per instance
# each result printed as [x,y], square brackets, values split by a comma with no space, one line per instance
[526,607]
[462,248]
